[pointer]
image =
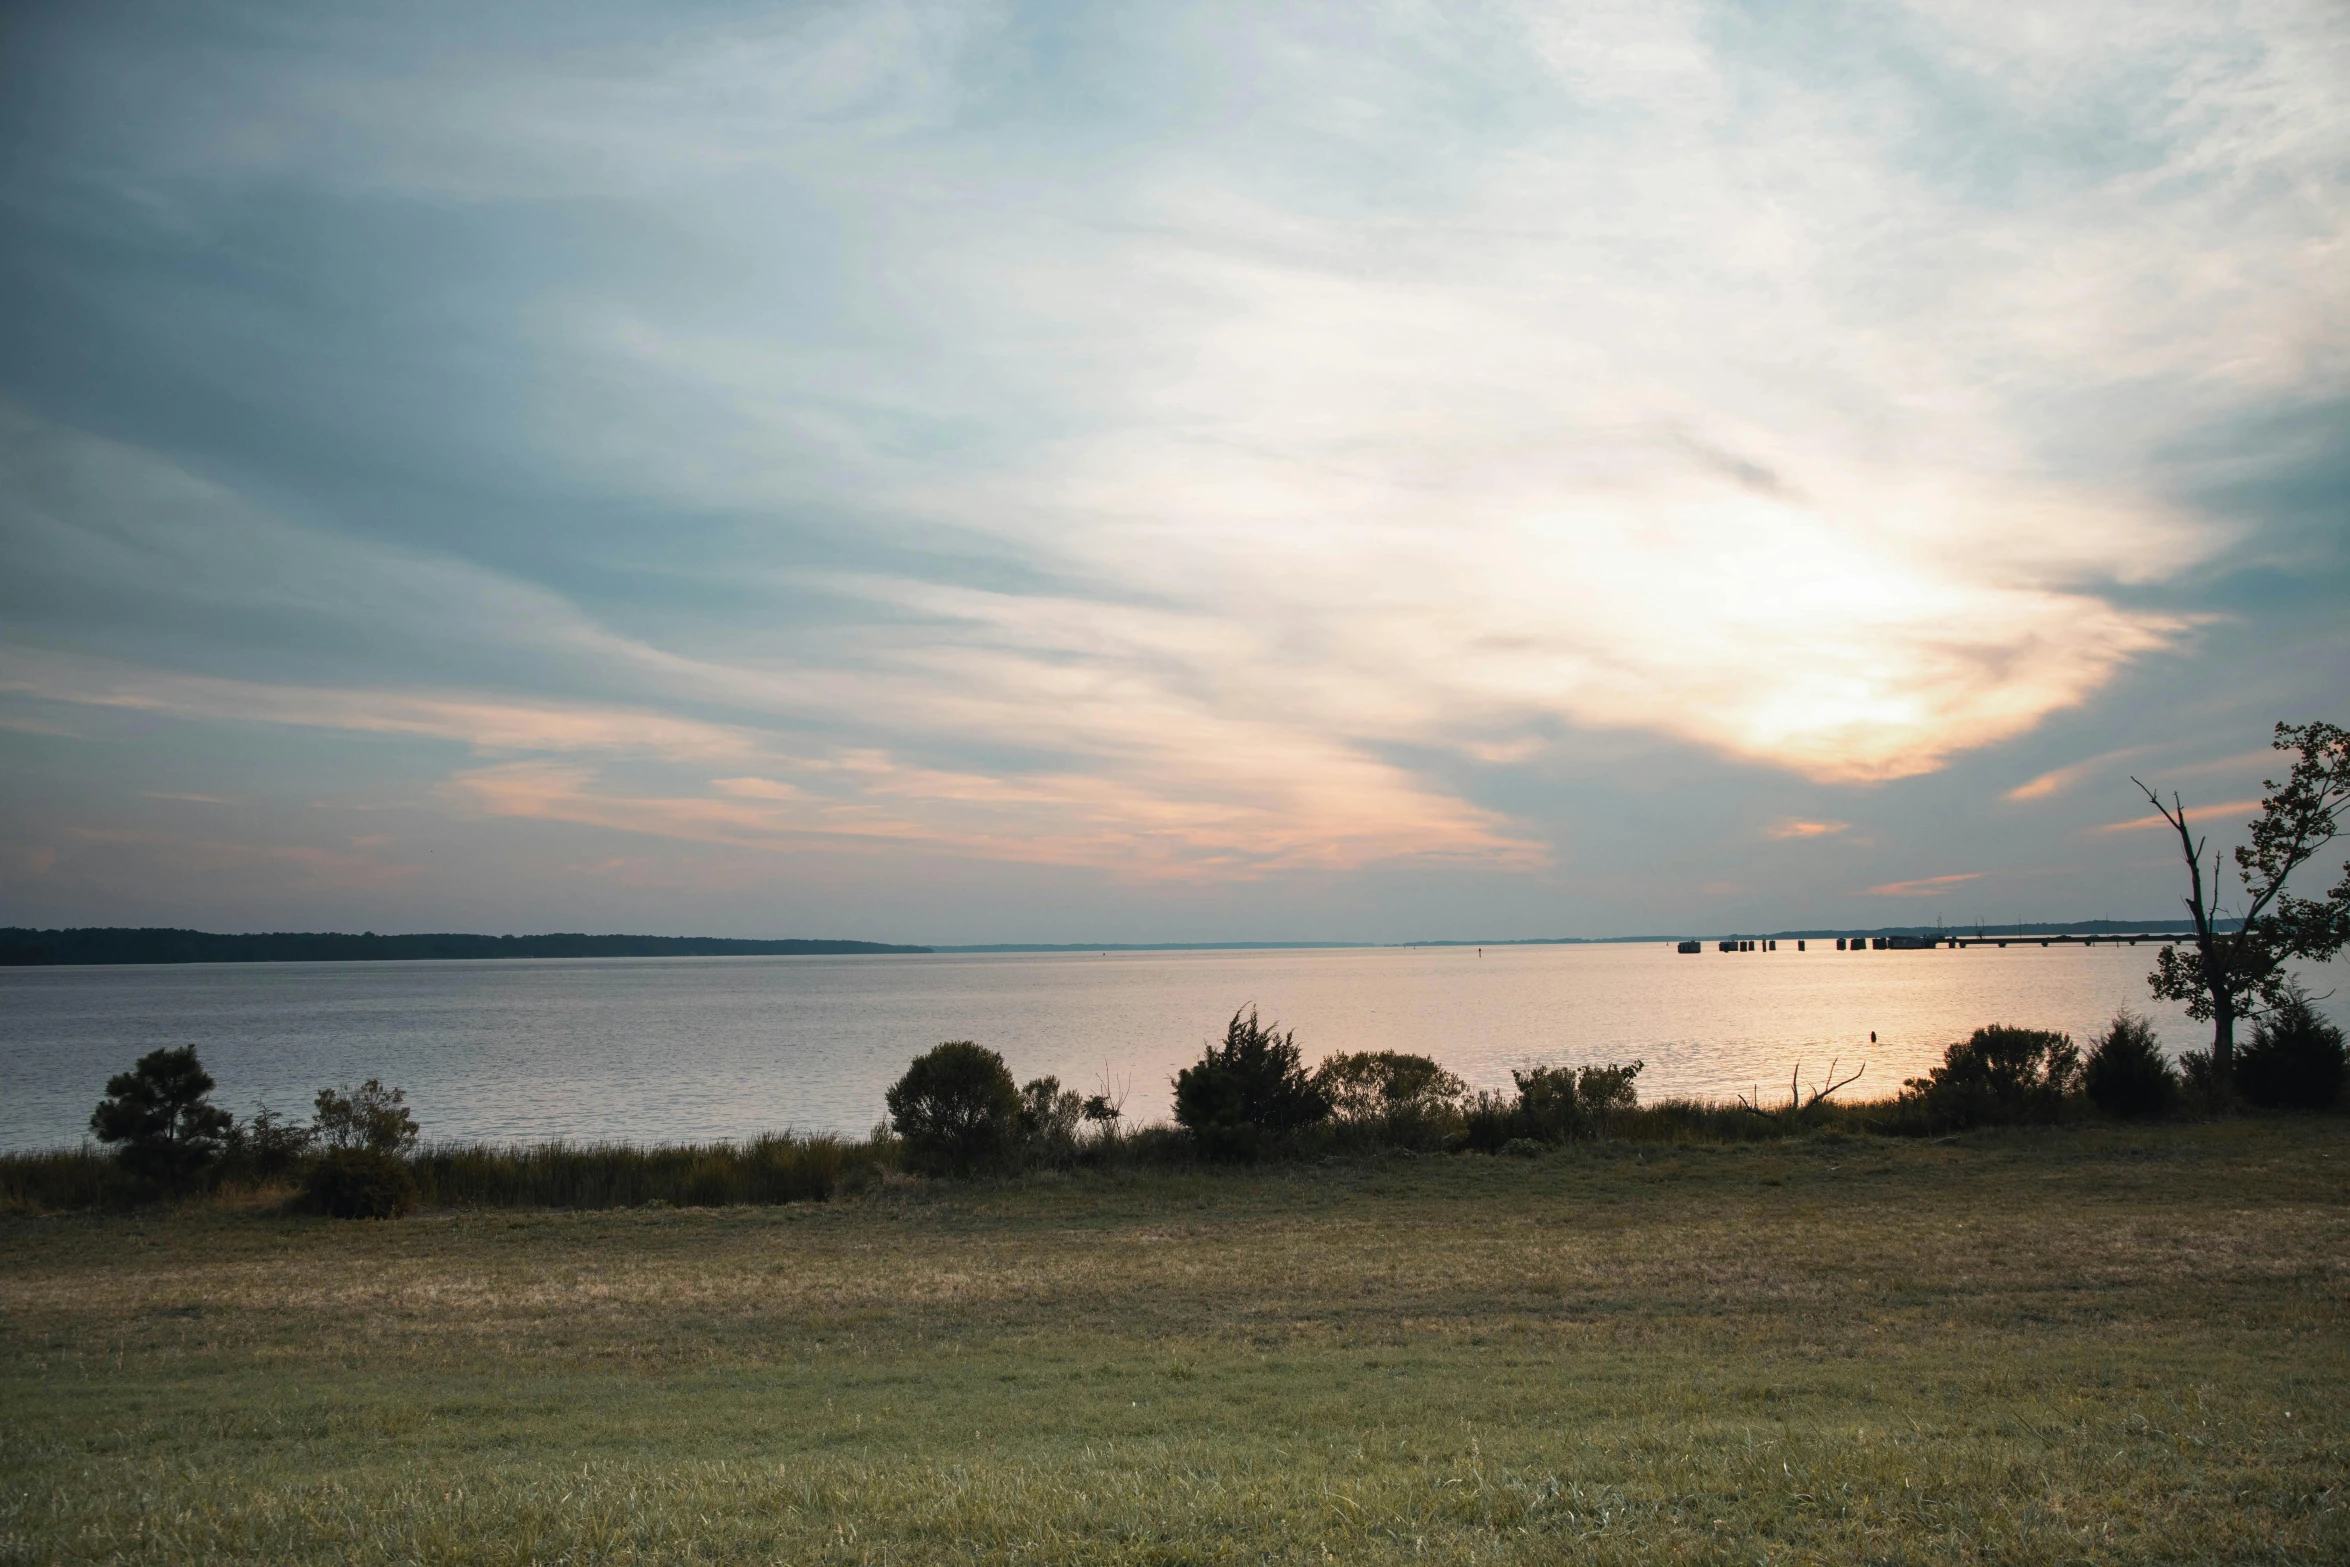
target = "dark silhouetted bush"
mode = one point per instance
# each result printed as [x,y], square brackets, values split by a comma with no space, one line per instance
[2126,1073]
[1557,1104]
[359,1183]
[266,1146]
[166,1132]
[2200,1087]
[369,1116]
[1049,1115]
[1489,1121]
[957,1111]
[1247,1093]
[2294,1060]
[1996,1076]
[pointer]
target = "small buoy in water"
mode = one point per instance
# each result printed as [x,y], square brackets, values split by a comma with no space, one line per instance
[1872,1036]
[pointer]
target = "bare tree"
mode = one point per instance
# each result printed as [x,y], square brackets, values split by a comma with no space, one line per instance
[2239,973]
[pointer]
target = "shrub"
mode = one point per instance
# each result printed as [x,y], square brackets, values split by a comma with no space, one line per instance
[168,1132]
[267,1145]
[1489,1121]
[2294,1060]
[1048,1122]
[1522,1148]
[370,1116]
[1246,1093]
[2126,1073]
[1999,1074]
[2199,1083]
[957,1110]
[1559,1103]
[1395,1098]
[359,1183]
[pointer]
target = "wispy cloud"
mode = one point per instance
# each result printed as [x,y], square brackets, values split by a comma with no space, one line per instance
[1214,445]
[1923,887]
[2199,817]
[1799,827]
[481,723]
[2062,780]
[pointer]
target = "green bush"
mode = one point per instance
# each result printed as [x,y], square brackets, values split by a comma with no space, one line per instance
[2295,1057]
[1049,1115]
[957,1111]
[1996,1076]
[167,1132]
[359,1183]
[1391,1098]
[1246,1094]
[2126,1073]
[266,1146]
[369,1116]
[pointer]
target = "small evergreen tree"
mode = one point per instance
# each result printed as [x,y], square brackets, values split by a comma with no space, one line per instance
[957,1110]
[157,1114]
[1246,1092]
[2126,1073]
[2295,1059]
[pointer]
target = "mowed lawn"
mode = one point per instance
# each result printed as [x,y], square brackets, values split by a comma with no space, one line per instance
[2065,1346]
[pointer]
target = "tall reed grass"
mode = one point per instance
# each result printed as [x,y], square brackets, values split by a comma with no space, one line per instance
[766,1170]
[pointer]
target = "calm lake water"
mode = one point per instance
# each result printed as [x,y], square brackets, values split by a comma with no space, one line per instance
[698,1048]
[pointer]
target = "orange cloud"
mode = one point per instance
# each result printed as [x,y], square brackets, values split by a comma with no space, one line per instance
[1923,887]
[868,799]
[2195,814]
[1797,827]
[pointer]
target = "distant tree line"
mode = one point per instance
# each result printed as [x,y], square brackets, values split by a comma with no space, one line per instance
[21,947]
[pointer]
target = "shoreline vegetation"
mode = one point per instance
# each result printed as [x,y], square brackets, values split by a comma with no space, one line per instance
[1250,1100]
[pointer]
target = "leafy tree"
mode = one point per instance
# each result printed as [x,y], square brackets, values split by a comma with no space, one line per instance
[957,1110]
[2295,1059]
[1247,1091]
[1999,1074]
[2126,1073]
[158,1114]
[2230,974]
[370,1116]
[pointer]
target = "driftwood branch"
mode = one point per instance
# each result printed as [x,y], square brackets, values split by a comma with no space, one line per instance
[1797,1104]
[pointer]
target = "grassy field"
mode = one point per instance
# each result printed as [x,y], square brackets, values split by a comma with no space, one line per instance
[2070,1345]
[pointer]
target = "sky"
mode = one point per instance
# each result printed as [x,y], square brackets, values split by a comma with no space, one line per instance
[999,472]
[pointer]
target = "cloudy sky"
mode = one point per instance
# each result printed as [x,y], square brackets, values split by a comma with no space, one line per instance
[984,472]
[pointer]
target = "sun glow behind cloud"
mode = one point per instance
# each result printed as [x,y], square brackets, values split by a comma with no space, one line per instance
[1348,410]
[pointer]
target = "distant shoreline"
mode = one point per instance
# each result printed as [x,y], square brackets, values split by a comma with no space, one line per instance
[106,946]
[99,946]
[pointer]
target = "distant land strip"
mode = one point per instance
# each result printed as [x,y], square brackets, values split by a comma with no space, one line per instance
[22,948]
[25,948]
